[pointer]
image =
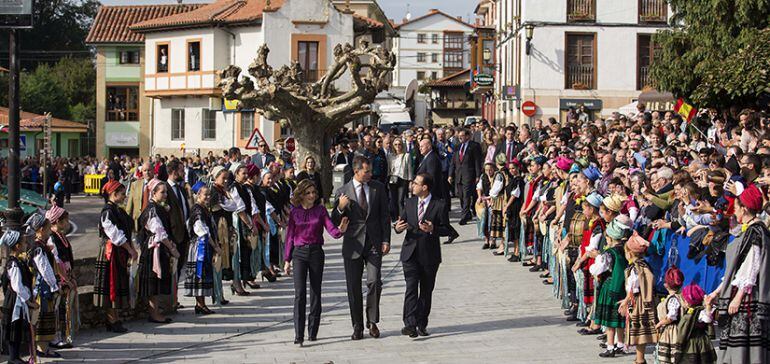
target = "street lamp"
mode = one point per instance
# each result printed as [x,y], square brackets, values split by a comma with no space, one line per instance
[529,29]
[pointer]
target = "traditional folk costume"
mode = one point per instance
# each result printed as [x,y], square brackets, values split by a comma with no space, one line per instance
[610,269]
[641,318]
[498,194]
[574,224]
[224,205]
[514,188]
[244,238]
[45,290]
[696,330]
[199,281]
[258,263]
[482,211]
[68,311]
[111,282]
[17,291]
[668,340]
[591,241]
[155,274]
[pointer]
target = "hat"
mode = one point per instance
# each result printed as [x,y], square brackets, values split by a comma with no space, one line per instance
[152,184]
[574,169]
[197,187]
[34,223]
[265,172]
[594,199]
[582,162]
[541,159]
[693,294]
[751,198]
[54,214]
[10,238]
[637,245]
[674,278]
[563,163]
[616,229]
[614,202]
[110,187]
[592,173]
[252,170]
[500,159]
[215,171]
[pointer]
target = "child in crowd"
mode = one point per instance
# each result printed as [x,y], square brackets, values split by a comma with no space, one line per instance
[68,313]
[695,328]
[669,312]
[17,297]
[638,306]
[45,286]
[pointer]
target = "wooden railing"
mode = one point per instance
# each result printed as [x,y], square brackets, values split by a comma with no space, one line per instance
[580,77]
[581,10]
[653,11]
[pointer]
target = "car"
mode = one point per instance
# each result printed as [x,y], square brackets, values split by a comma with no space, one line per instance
[399,121]
[471,120]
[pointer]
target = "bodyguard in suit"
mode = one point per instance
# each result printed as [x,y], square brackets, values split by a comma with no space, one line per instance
[431,165]
[424,219]
[179,209]
[262,158]
[466,170]
[138,195]
[365,203]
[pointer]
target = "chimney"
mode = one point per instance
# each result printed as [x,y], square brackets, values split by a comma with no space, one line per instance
[460,18]
[179,2]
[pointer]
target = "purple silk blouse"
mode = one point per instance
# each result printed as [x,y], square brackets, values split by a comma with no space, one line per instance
[305,227]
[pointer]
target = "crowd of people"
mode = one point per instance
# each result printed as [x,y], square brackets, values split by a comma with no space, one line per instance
[650,229]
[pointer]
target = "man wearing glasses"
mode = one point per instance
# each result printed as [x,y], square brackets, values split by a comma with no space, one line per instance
[262,158]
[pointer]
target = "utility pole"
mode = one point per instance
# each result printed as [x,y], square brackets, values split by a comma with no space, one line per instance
[13,214]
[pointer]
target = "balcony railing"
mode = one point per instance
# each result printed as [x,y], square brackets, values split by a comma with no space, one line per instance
[644,78]
[581,11]
[653,11]
[580,77]
[454,104]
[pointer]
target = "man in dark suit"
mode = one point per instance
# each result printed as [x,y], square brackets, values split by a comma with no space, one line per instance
[179,204]
[509,146]
[431,165]
[365,203]
[262,158]
[424,219]
[466,169]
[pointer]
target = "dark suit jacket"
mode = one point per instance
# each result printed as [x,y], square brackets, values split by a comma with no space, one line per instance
[470,168]
[431,165]
[257,159]
[502,148]
[178,222]
[374,225]
[426,246]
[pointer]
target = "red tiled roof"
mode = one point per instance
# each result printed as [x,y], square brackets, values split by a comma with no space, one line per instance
[218,12]
[112,23]
[458,79]
[431,13]
[369,22]
[31,121]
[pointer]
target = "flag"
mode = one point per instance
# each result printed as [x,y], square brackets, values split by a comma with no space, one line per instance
[684,109]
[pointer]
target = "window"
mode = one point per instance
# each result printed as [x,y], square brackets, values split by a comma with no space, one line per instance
[247,124]
[162,62]
[581,10]
[581,62]
[420,38]
[434,75]
[434,57]
[434,38]
[453,52]
[307,56]
[421,57]
[177,124]
[453,60]
[193,56]
[420,75]
[129,57]
[653,11]
[645,55]
[122,103]
[453,40]
[209,124]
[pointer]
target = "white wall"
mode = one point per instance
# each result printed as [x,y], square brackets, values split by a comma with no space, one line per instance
[193,124]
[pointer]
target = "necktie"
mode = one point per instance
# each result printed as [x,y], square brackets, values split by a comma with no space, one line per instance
[462,153]
[182,203]
[362,199]
[145,196]
[421,211]
[509,153]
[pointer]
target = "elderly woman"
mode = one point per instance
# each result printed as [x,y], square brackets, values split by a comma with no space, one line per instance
[744,294]
[157,249]
[310,172]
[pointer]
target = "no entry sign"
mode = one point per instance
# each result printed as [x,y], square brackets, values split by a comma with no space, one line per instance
[529,108]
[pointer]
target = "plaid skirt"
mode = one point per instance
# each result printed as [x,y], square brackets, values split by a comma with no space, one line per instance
[102,285]
[640,324]
[606,312]
[149,283]
[45,327]
[496,227]
[195,286]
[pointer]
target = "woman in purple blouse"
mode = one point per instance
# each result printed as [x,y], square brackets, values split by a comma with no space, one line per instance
[304,241]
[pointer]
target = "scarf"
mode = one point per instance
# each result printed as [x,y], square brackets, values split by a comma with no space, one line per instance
[737,253]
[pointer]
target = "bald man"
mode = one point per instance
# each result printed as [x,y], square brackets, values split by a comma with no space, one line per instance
[137,196]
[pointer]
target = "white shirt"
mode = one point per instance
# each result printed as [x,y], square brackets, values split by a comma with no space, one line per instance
[357,188]
[175,189]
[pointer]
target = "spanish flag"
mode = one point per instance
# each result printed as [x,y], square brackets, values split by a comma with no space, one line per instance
[684,109]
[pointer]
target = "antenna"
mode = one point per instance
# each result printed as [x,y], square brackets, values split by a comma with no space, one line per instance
[408,13]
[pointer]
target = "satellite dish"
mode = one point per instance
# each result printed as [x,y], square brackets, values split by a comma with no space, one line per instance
[410,91]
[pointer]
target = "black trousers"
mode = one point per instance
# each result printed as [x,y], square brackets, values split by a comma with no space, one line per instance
[467,194]
[354,271]
[420,280]
[397,196]
[307,261]
[572,254]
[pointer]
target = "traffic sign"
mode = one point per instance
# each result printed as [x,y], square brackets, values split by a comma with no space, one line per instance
[255,138]
[22,143]
[529,108]
[291,144]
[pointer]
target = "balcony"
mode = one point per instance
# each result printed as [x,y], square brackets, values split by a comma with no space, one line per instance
[580,77]
[644,79]
[653,11]
[581,11]
[454,105]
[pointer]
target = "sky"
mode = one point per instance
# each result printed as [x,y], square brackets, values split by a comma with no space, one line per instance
[395,9]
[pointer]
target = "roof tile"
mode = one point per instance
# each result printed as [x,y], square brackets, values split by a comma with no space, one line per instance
[218,12]
[112,23]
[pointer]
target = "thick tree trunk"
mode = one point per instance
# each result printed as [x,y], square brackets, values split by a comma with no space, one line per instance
[310,137]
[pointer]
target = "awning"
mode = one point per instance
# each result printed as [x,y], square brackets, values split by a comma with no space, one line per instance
[657,101]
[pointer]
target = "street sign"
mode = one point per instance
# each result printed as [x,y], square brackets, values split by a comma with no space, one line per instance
[22,143]
[16,14]
[291,144]
[483,79]
[590,104]
[255,138]
[529,108]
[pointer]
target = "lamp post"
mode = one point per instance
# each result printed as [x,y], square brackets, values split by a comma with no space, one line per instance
[529,30]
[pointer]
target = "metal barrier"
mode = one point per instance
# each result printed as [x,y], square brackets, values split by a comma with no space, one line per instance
[92,184]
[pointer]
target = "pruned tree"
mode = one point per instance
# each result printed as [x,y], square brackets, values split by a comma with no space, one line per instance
[314,110]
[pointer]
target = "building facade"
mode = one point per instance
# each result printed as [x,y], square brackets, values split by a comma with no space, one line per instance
[566,53]
[66,135]
[431,47]
[122,108]
[484,61]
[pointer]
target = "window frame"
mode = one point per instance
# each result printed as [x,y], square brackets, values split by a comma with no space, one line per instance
[651,50]
[421,57]
[642,20]
[127,95]
[591,18]
[434,58]
[158,47]
[422,38]
[208,131]
[180,135]
[307,73]
[594,60]
[249,129]
[130,57]
[434,38]
[420,75]
[187,53]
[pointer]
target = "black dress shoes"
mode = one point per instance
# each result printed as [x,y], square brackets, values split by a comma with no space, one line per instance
[514,259]
[373,330]
[409,331]
[452,238]
[422,331]
[358,334]
[485,246]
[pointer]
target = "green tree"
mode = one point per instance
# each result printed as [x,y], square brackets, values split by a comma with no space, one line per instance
[717,53]
[40,93]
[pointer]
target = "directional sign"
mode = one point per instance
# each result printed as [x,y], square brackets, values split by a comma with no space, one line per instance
[256,137]
[22,143]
